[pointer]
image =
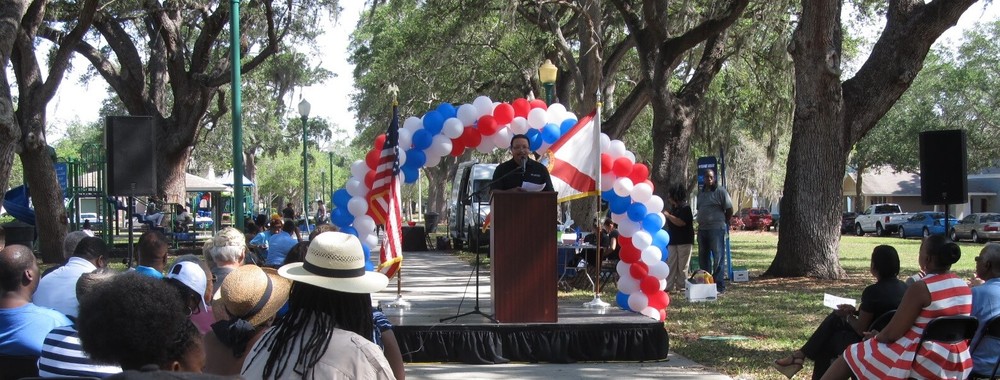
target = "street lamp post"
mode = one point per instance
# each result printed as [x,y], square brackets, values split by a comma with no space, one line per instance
[322,184]
[547,73]
[304,112]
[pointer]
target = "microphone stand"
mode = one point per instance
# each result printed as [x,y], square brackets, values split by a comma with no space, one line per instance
[479,215]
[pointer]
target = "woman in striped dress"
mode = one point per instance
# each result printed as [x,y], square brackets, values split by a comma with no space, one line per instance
[888,354]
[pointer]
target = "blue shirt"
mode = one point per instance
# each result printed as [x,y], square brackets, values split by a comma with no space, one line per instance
[148,271]
[985,305]
[25,327]
[261,239]
[278,246]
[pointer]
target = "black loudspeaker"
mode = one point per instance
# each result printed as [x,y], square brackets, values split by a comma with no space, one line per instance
[414,239]
[131,150]
[943,163]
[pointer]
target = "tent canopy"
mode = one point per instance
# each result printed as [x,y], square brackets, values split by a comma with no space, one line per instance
[200,184]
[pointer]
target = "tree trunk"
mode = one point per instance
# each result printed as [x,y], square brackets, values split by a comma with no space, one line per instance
[859,196]
[671,147]
[46,197]
[11,12]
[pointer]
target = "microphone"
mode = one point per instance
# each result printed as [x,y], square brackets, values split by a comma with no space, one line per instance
[524,164]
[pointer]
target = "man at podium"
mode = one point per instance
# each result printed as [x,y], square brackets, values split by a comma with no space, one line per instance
[520,172]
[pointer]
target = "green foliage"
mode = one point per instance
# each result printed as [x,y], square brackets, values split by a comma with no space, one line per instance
[78,136]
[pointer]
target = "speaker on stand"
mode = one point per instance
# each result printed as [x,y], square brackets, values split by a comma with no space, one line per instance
[130,143]
[943,170]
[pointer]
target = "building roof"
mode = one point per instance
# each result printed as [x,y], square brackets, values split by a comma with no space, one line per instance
[885,182]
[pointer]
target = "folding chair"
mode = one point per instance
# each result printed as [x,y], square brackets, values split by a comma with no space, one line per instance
[952,329]
[991,331]
[879,323]
[16,367]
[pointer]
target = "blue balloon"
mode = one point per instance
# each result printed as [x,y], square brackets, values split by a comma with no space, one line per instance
[620,205]
[415,159]
[622,300]
[651,223]
[661,239]
[550,133]
[566,126]
[609,195]
[422,139]
[350,230]
[410,175]
[447,110]
[636,212]
[433,122]
[341,197]
[368,258]
[664,254]
[534,139]
[341,217]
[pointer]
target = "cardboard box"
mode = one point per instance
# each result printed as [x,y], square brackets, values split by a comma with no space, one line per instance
[700,292]
[741,275]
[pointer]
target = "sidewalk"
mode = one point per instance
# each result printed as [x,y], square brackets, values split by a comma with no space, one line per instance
[677,367]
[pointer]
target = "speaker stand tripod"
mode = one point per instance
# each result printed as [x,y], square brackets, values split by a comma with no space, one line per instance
[476,310]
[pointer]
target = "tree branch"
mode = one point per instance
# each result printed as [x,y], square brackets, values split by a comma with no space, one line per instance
[201,54]
[618,123]
[222,77]
[675,47]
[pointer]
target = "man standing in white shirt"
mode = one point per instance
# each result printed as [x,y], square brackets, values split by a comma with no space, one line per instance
[57,289]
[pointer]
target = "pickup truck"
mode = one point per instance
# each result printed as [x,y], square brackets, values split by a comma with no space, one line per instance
[880,218]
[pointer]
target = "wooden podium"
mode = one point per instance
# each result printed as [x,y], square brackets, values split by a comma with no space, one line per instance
[523,257]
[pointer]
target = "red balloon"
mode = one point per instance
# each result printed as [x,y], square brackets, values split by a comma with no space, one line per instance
[625,243]
[659,300]
[457,147]
[639,270]
[621,167]
[521,107]
[369,178]
[639,174]
[629,255]
[487,125]
[471,137]
[663,314]
[372,159]
[503,114]
[539,103]
[649,285]
[379,141]
[606,163]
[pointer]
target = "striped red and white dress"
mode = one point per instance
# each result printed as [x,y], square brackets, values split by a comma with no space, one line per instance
[870,359]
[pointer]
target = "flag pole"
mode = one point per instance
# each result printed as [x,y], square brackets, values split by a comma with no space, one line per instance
[597,302]
[399,302]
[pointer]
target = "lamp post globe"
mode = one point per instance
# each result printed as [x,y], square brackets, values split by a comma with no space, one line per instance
[547,74]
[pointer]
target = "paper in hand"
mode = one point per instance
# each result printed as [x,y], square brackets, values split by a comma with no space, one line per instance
[832,301]
[531,186]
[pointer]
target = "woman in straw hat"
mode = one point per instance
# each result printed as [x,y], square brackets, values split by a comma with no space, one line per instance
[244,306]
[330,300]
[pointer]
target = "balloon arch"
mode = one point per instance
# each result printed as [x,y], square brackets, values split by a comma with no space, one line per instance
[485,125]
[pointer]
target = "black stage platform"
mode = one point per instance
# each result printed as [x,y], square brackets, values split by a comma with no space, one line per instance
[437,285]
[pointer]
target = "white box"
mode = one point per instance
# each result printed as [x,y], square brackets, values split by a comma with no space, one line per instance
[701,292]
[741,275]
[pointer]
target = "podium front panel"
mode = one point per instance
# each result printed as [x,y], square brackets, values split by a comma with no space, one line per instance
[523,257]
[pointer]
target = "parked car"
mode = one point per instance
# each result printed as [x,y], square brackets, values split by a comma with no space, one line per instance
[847,222]
[757,218]
[96,222]
[977,227]
[925,223]
[880,218]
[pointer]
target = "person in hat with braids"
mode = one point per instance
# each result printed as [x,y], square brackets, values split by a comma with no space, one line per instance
[326,333]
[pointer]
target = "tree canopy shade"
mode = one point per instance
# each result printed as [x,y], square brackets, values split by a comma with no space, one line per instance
[832,115]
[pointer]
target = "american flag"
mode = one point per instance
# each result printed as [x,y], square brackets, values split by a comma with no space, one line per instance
[384,200]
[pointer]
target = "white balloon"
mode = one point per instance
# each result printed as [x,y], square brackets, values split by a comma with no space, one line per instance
[413,123]
[359,169]
[659,270]
[607,181]
[452,128]
[371,241]
[432,161]
[651,256]
[467,114]
[401,154]
[536,118]
[623,186]
[627,284]
[654,204]
[605,142]
[556,113]
[519,125]
[356,188]
[498,139]
[629,155]
[484,106]
[641,240]
[405,139]
[627,228]
[364,224]
[663,283]
[619,219]
[616,149]
[357,206]
[650,312]
[485,146]
[637,301]
[623,268]
[641,192]
[440,145]
[543,148]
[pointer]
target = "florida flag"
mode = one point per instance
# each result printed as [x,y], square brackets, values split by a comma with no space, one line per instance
[574,161]
[384,200]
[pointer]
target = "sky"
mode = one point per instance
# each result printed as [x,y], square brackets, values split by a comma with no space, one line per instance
[331,100]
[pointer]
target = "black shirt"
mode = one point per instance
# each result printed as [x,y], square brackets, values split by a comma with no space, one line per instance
[681,235]
[288,212]
[508,175]
[882,296]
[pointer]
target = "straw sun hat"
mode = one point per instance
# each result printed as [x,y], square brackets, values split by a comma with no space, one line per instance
[250,293]
[335,261]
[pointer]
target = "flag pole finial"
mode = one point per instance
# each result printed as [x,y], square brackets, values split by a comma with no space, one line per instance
[394,91]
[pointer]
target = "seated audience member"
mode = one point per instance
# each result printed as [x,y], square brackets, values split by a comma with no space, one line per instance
[846,325]
[23,325]
[191,282]
[612,249]
[279,245]
[153,249]
[328,329]
[69,246]
[53,289]
[153,217]
[62,354]
[329,227]
[260,241]
[986,306]
[889,353]
[134,320]
[244,306]
[297,253]
[228,251]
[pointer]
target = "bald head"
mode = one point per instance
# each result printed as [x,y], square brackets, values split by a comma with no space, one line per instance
[988,262]
[17,268]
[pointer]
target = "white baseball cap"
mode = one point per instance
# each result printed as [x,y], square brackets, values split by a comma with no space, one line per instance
[191,275]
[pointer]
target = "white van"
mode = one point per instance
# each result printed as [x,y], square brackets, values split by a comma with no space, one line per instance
[470,196]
